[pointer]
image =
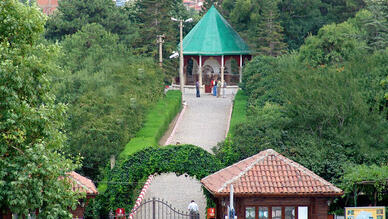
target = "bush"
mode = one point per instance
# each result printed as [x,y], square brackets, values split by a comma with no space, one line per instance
[239,114]
[156,123]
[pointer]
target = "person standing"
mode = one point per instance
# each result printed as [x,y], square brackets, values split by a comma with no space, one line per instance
[211,85]
[193,209]
[218,88]
[197,89]
[215,87]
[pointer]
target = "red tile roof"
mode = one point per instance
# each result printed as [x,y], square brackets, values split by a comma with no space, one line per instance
[82,184]
[269,173]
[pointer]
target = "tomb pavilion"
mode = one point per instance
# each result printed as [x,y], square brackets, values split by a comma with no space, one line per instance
[213,50]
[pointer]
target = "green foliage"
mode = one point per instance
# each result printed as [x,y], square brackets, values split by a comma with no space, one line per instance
[367,179]
[297,18]
[30,121]
[374,24]
[153,17]
[239,114]
[156,123]
[333,44]
[314,114]
[108,91]
[269,31]
[72,15]
[131,172]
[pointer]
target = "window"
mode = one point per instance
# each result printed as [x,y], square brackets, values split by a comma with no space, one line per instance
[263,213]
[250,213]
[303,212]
[276,212]
[289,212]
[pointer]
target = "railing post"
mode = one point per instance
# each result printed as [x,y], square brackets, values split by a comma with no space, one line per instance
[153,208]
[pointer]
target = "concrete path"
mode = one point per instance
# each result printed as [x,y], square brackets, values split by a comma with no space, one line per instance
[204,124]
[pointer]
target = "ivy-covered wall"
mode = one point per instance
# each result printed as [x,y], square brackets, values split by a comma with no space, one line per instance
[128,177]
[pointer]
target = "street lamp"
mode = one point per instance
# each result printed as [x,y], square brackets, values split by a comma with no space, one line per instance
[181,48]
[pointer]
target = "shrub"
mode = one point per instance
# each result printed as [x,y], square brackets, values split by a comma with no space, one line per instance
[239,114]
[156,123]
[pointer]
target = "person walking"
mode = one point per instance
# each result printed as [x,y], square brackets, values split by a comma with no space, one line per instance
[193,209]
[197,89]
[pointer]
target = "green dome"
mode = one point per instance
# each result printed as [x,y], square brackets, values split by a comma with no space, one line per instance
[213,35]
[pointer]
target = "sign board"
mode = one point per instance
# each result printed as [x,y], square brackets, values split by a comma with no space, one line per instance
[365,213]
[120,212]
[211,213]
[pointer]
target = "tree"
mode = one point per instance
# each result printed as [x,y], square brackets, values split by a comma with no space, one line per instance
[72,15]
[299,18]
[374,23]
[207,4]
[30,121]
[107,90]
[153,17]
[269,40]
[333,44]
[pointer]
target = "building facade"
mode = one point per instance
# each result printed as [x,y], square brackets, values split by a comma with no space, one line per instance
[271,186]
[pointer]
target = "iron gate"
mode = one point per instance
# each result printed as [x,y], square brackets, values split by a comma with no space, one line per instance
[159,209]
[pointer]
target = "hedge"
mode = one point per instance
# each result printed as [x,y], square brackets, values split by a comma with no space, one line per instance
[156,123]
[239,114]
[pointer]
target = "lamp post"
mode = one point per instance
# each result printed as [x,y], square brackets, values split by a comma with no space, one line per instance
[181,79]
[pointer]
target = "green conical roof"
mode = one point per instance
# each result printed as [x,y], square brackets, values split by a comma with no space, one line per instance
[213,35]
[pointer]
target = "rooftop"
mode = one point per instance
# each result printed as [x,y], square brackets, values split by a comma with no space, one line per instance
[82,184]
[213,35]
[269,174]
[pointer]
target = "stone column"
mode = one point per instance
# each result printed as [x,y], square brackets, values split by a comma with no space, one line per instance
[240,69]
[222,69]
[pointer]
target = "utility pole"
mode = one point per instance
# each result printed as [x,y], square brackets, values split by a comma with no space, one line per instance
[181,80]
[160,40]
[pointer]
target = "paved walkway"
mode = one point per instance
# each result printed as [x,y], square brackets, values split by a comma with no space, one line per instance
[204,124]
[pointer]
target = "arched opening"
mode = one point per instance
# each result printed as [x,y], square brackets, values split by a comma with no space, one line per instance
[127,178]
[191,70]
[231,71]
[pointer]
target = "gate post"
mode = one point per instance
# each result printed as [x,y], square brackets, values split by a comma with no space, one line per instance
[153,208]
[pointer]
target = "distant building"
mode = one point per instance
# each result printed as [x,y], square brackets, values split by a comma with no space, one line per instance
[193,4]
[48,6]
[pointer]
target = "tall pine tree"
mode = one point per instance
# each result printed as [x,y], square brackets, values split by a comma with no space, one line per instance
[153,19]
[270,39]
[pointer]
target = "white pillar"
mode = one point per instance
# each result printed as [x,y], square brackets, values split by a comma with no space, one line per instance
[200,71]
[222,69]
[240,68]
